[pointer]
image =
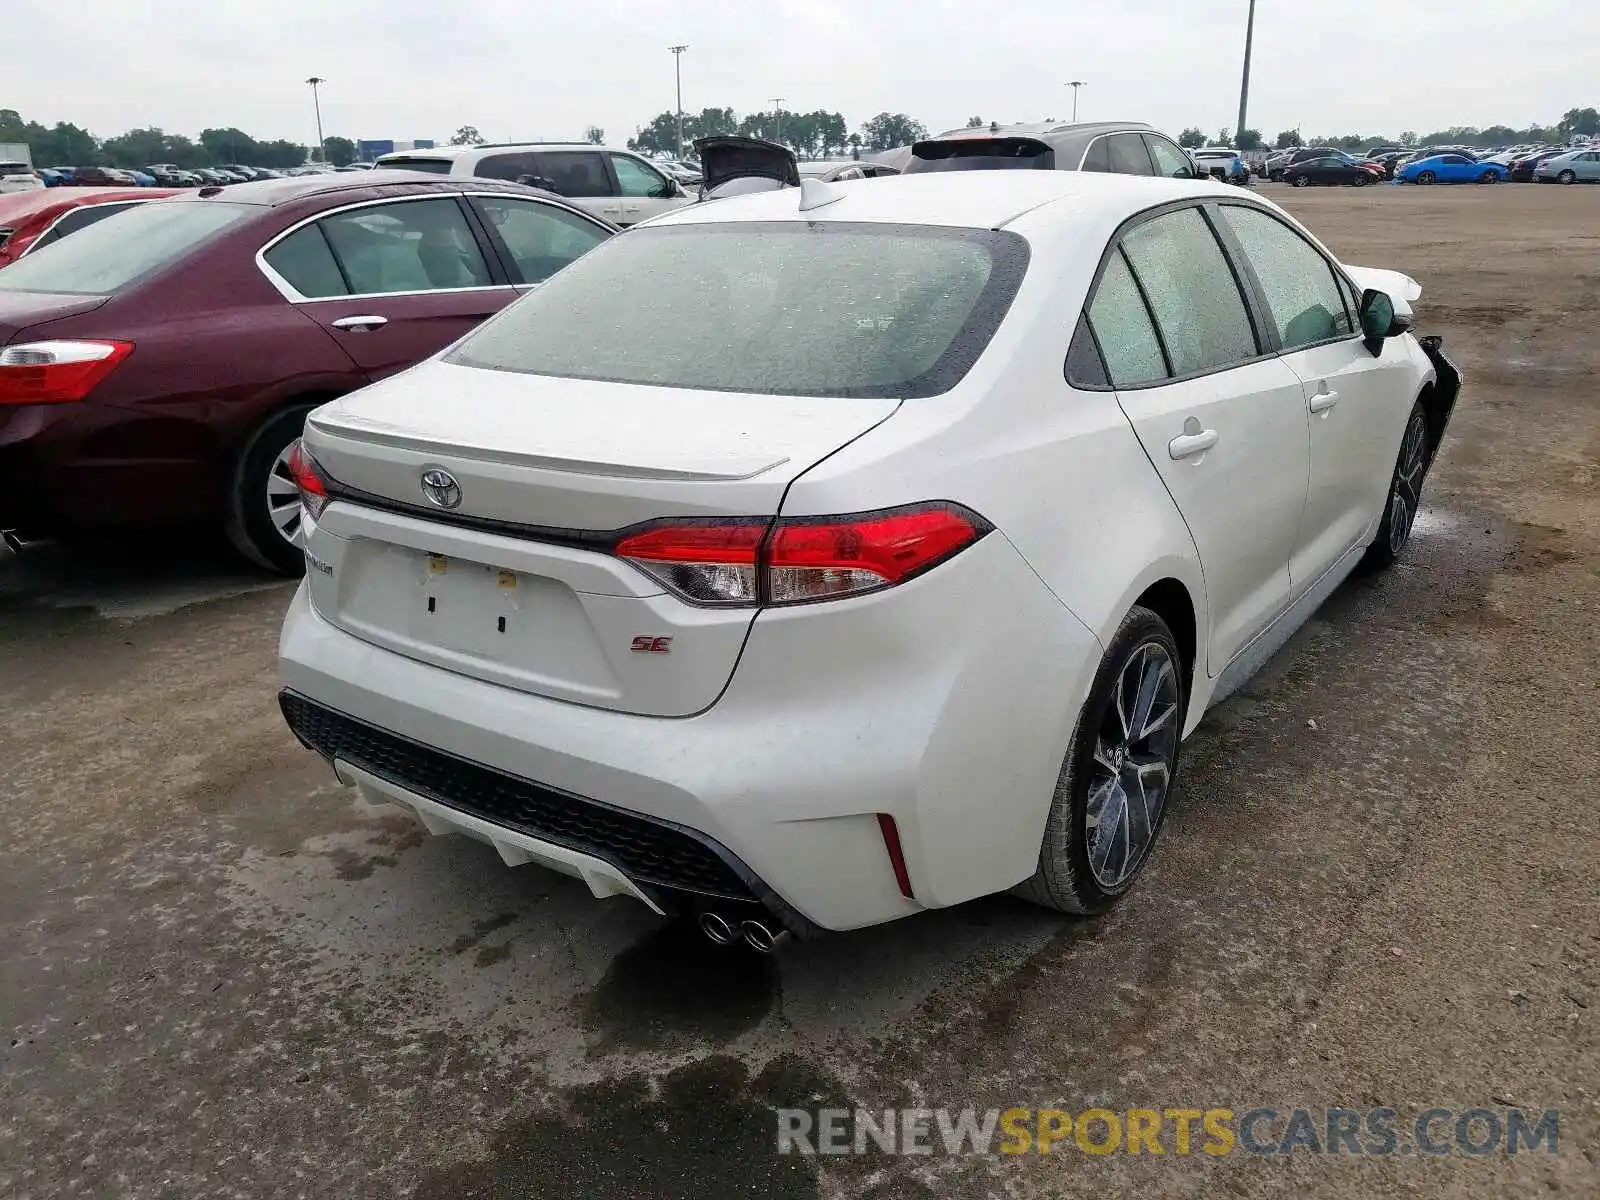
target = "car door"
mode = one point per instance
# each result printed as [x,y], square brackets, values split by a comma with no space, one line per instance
[392,281]
[642,190]
[1223,423]
[536,239]
[1454,168]
[582,177]
[1588,166]
[1356,405]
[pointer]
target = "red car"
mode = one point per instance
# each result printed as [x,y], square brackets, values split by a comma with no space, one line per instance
[156,366]
[35,219]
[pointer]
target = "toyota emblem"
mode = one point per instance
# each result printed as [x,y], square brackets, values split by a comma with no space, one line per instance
[441,488]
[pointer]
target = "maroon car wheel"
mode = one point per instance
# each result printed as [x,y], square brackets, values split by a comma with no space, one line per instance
[264,508]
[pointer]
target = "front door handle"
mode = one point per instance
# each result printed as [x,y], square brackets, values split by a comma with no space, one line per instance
[361,324]
[1323,401]
[1188,444]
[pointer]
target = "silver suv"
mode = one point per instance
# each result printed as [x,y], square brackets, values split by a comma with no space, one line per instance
[615,184]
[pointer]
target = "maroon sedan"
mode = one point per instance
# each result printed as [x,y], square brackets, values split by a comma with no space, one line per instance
[156,366]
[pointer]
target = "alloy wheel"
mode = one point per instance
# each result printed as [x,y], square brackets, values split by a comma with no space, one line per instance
[1567,177]
[1406,494]
[283,498]
[1135,754]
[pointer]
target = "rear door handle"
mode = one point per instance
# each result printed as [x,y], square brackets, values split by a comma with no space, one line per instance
[361,324]
[1186,445]
[1323,401]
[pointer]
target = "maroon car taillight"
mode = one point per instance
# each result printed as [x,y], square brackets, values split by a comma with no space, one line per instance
[749,561]
[58,372]
[308,479]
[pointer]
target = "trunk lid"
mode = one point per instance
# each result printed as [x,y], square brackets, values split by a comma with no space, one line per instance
[729,156]
[20,311]
[515,584]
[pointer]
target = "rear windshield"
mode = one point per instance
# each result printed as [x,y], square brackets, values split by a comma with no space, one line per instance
[982,154]
[433,166]
[122,249]
[780,308]
[15,168]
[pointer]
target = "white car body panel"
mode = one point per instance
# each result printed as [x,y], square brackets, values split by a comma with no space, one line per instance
[946,702]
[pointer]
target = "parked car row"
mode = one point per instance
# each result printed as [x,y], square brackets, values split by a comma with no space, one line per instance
[1436,164]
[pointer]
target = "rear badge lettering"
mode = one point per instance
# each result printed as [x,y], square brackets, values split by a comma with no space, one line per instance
[646,644]
[316,564]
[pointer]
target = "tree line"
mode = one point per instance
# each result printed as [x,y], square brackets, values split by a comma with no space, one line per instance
[817,134]
[69,145]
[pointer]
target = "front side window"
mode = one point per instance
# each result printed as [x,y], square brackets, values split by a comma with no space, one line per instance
[121,250]
[541,237]
[785,308]
[575,173]
[406,246]
[1302,295]
[1171,161]
[1123,328]
[1128,155]
[634,178]
[1193,296]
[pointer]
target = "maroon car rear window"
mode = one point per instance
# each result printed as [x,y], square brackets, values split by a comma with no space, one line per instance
[122,249]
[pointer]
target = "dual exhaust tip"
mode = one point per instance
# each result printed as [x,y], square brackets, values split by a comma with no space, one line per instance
[758,935]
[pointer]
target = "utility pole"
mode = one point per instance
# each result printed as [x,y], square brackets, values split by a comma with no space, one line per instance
[1075,85]
[677,70]
[1244,83]
[777,112]
[316,103]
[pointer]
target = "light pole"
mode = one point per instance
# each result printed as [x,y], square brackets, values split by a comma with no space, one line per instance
[316,103]
[1075,85]
[777,112]
[677,70]
[1244,83]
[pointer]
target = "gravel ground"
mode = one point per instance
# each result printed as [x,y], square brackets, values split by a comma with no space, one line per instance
[221,975]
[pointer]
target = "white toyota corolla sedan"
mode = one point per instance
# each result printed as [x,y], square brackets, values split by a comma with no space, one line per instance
[810,559]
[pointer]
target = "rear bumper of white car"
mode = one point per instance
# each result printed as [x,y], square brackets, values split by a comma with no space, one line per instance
[945,703]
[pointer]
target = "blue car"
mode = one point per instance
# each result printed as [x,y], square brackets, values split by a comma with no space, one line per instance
[1451,168]
[142,179]
[52,177]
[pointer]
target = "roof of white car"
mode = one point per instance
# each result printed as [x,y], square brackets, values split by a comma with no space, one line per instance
[968,199]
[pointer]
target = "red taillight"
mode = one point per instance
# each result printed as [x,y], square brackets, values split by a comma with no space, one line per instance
[56,372]
[897,856]
[792,561]
[308,480]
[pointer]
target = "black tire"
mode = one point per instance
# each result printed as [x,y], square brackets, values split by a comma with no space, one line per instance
[1489,177]
[249,525]
[1360,180]
[1405,494]
[1065,879]
[1567,177]
[1302,181]
[1275,177]
[1426,178]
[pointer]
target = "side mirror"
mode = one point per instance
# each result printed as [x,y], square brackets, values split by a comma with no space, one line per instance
[669,190]
[1377,319]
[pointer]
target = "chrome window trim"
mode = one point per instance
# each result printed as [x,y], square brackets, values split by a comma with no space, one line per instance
[293,296]
[45,232]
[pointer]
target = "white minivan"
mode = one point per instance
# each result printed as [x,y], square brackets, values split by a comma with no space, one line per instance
[618,185]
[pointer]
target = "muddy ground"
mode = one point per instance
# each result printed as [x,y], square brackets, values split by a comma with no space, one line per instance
[220,975]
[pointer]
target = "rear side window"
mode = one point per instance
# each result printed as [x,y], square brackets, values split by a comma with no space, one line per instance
[1301,291]
[779,308]
[79,218]
[1099,156]
[1193,296]
[121,250]
[407,246]
[1128,155]
[1122,327]
[506,166]
[575,173]
[307,264]
[982,154]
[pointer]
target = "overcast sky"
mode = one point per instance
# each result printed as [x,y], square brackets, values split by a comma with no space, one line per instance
[523,69]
